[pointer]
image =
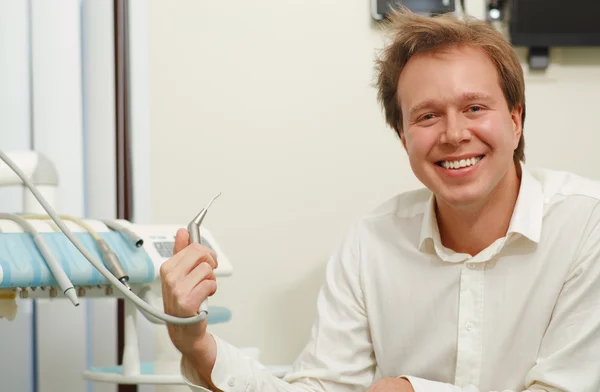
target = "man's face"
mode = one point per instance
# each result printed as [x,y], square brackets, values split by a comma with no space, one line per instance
[457,128]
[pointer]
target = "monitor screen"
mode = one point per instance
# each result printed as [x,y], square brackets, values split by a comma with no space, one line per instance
[381,8]
[555,23]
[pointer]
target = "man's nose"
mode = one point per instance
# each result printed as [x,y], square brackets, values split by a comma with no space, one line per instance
[455,131]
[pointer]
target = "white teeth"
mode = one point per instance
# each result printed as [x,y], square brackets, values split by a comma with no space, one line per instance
[460,164]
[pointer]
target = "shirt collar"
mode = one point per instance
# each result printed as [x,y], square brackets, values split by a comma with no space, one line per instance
[429,226]
[526,219]
[529,210]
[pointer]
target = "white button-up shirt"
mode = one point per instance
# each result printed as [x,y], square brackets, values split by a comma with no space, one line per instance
[523,314]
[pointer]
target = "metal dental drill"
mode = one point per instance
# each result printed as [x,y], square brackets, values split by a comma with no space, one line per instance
[194,231]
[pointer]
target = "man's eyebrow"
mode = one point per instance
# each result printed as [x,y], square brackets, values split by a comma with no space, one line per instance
[476,97]
[465,97]
[420,106]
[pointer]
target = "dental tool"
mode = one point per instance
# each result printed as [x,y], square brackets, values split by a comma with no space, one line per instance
[194,231]
[93,260]
[59,274]
[112,261]
[116,226]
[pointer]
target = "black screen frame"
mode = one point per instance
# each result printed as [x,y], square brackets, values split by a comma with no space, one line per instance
[380,8]
[528,39]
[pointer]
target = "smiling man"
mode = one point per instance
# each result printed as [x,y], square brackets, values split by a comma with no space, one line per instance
[487,279]
[460,133]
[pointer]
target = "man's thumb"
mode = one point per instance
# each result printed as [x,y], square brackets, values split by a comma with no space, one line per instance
[182,239]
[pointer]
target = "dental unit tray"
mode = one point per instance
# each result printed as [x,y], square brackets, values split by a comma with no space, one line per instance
[22,264]
[22,267]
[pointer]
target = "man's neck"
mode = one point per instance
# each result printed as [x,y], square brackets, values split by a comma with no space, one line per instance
[471,230]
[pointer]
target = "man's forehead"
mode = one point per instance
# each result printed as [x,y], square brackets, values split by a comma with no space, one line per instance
[424,76]
[449,51]
[437,57]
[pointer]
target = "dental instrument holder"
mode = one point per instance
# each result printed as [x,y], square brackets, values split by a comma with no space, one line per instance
[194,233]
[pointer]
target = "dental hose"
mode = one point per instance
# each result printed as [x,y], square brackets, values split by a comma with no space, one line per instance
[112,260]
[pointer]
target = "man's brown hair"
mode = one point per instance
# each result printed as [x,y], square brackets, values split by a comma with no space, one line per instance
[412,34]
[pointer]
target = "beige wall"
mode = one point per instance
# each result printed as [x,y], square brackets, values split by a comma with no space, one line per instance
[271,103]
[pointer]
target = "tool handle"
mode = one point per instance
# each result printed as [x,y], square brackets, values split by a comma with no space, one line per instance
[194,232]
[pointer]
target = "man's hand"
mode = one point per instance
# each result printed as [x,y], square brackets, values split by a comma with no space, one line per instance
[391,385]
[187,279]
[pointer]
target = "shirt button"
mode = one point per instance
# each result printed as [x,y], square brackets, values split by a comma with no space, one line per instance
[471,266]
[469,326]
[231,381]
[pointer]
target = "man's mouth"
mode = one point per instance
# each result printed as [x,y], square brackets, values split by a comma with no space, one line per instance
[459,164]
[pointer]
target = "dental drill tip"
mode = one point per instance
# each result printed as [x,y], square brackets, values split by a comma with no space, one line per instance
[200,217]
[72,295]
[205,209]
[212,201]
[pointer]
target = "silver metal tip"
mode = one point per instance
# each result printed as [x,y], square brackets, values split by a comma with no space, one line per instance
[213,199]
[200,217]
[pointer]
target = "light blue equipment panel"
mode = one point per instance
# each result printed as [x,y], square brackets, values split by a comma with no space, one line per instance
[23,265]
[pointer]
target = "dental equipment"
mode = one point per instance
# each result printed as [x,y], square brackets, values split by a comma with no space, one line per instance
[59,274]
[18,276]
[194,232]
[144,306]
[142,249]
[116,226]
[110,257]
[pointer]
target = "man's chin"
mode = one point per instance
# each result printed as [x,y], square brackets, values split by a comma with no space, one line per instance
[463,197]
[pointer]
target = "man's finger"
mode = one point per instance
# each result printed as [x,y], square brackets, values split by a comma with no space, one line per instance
[201,272]
[182,239]
[204,289]
[192,256]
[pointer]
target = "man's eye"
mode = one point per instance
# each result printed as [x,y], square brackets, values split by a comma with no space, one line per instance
[475,109]
[427,117]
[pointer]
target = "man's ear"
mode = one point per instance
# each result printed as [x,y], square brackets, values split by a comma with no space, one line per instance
[517,120]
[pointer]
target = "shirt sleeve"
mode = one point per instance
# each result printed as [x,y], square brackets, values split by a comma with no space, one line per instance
[235,372]
[568,358]
[339,355]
